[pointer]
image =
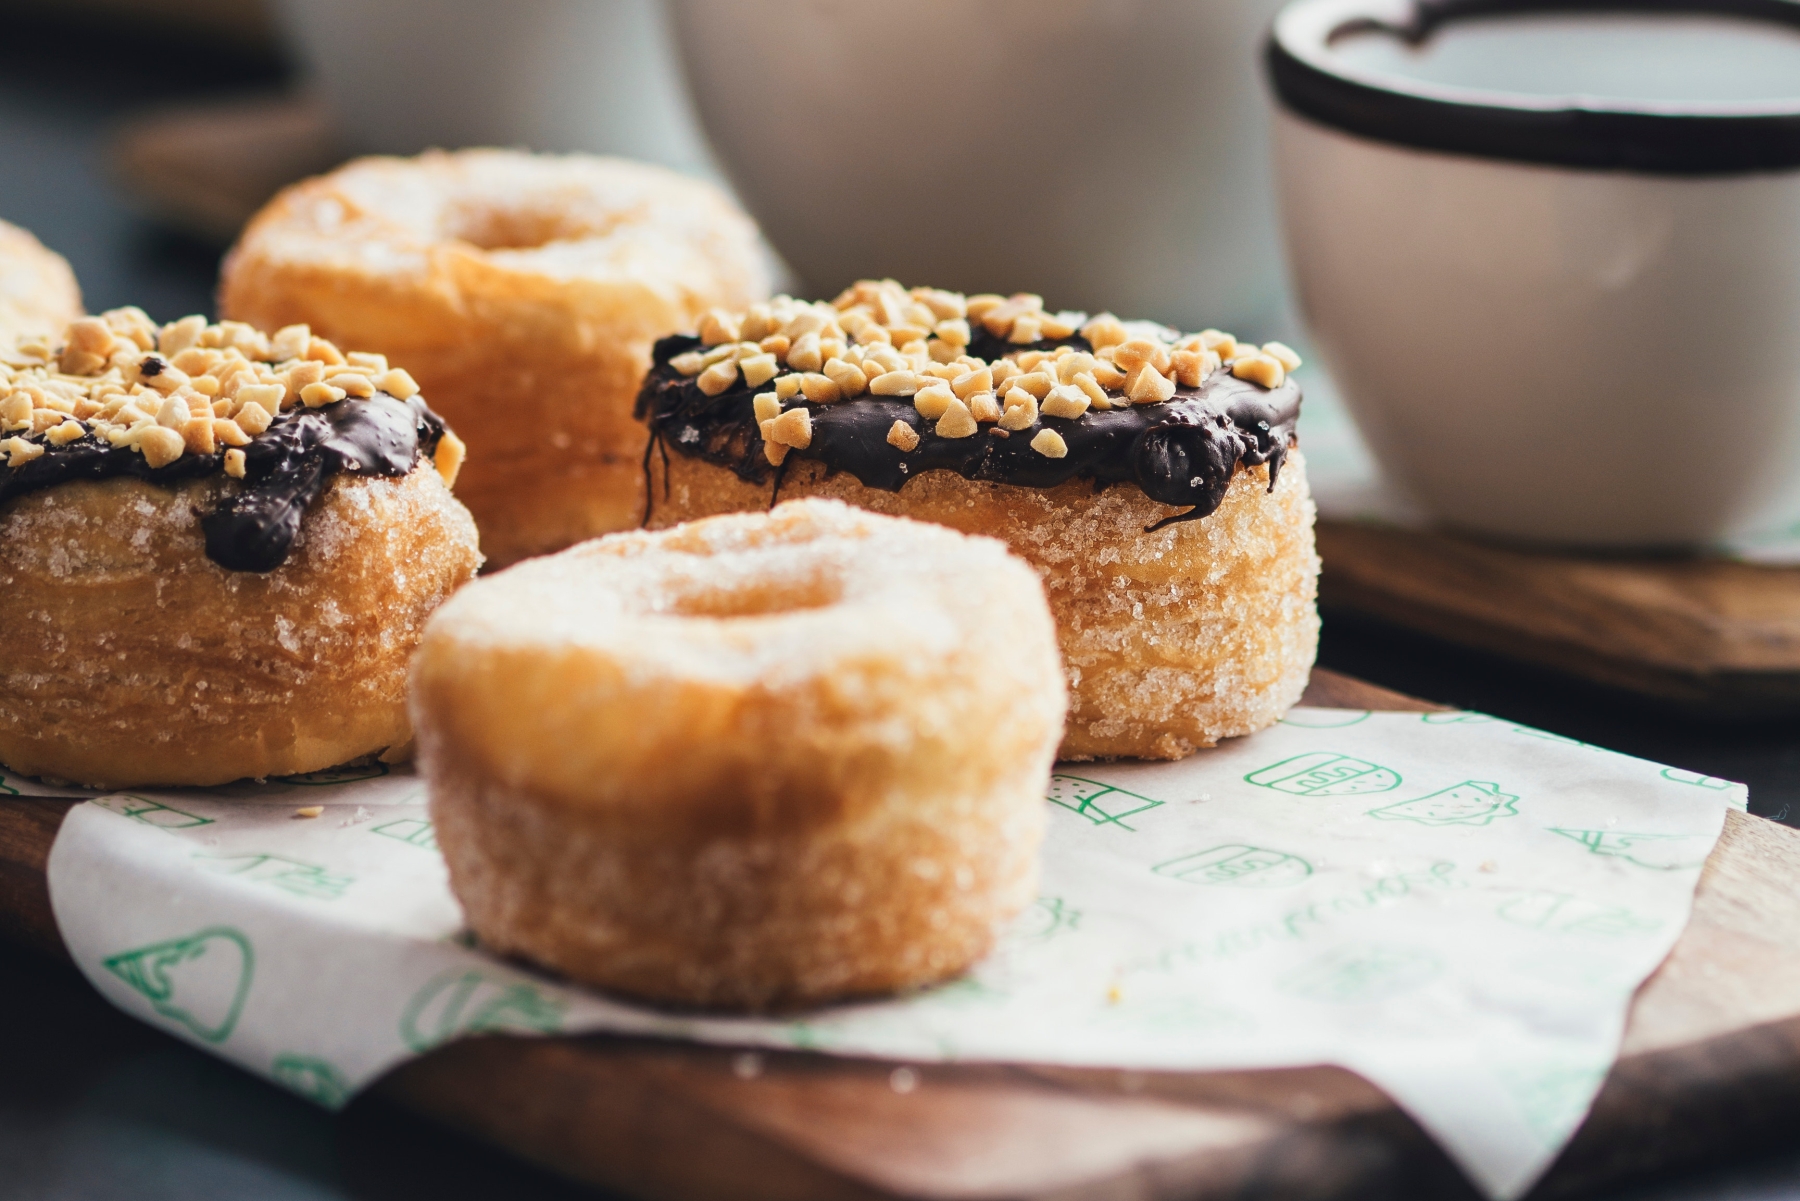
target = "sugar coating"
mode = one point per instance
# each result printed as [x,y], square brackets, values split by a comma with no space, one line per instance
[1171,639]
[757,761]
[133,659]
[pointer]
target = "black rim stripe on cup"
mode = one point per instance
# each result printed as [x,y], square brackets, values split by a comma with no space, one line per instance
[1655,137]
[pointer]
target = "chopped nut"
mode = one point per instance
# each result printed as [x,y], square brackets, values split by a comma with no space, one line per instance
[160,445]
[20,452]
[1050,444]
[448,457]
[197,435]
[177,336]
[67,432]
[1097,396]
[351,383]
[787,387]
[174,413]
[793,428]
[691,363]
[1061,325]
[1261,369]
[372,365]
[1104,330]
[934,401]
[1026,329]
[1283,354]
[266,397]
[985,406]
[820,389]
[971,382]
[805,354]
[1035,382]
[1065,400]
[1108,376]
[1021,410]
[759,369]
[1190,367]
[955,332]
[253,418]
[317,396]
[1132,354]
[719,377]
[1220,341]
[298,378]
[775,452]
[776,344]
[290,342]
[757,323]
[767,406]
[321,351]
[234,464]
[895,383]
[229,432]
[15,411]
[957,421]
[716,326]
[1147,385]
[850,379]
[398,383]
[902,435]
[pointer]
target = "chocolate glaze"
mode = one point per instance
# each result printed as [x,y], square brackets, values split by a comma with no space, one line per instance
[1180,452]
[286,468]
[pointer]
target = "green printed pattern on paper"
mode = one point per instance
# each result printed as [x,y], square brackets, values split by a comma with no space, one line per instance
[1238,864]
[415,831]
[290,875]
[1100,803]
[1471,803]
[152,813]
[1697,779]
[473,1001]
[312,1078]
[1357,975]
[199,981]
[1660,852]
[1566,913]
[1325,773]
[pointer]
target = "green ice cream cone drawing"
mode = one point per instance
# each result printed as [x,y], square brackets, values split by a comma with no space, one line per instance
[1471,803]
[472,1001]
[199,981]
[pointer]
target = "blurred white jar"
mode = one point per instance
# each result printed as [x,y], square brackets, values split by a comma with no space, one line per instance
[400,76]
[1109,154]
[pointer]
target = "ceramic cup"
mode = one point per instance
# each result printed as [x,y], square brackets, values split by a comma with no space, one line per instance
[1563,317]
[1108,154]
[400,76]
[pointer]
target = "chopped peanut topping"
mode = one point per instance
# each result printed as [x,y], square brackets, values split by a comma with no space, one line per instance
[186,388]
[879,339]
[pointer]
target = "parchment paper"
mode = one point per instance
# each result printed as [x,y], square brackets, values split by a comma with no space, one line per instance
[1454,906]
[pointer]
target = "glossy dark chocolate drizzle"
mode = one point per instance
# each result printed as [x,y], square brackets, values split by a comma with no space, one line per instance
[286,468]
[1183,451]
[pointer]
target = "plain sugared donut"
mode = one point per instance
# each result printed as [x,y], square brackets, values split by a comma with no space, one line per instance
[525,292]
[38,292]
[757,761]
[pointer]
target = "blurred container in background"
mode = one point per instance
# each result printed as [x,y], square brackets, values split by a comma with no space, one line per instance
[400,76]
[1109,154]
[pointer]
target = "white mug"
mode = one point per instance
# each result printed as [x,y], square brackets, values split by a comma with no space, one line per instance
[1108,154]
[1569,320]
[401,76]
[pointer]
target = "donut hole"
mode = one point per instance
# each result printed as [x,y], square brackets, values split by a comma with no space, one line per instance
[753,595]
[491,226]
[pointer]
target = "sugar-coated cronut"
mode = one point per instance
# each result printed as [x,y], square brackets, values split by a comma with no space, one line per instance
[525,291]
[38,292]
[196,588]
[1152,478]
[753,762]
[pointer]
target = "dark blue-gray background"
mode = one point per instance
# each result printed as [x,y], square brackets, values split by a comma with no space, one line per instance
[95,1106]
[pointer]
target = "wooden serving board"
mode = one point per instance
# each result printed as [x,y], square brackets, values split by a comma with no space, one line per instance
[1710,1066]
[1707,634]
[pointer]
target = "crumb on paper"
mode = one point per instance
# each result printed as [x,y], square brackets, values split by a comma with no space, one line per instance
[903,1080]
[747,1065]
[309,811]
